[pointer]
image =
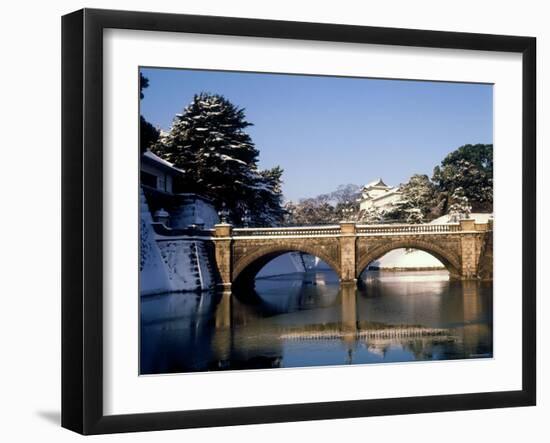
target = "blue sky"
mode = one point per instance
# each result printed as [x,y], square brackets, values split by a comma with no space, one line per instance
[327,131]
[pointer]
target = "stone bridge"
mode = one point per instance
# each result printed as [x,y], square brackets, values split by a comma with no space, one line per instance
[464,248]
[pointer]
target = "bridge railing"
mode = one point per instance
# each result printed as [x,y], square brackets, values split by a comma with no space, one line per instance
[406,229]
[300,231]
[349,228]
[334,230]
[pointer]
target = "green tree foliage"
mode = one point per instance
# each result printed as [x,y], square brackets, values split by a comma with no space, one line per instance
[148,134]
[210,143]
[267,200]
[143,84]
[470,168]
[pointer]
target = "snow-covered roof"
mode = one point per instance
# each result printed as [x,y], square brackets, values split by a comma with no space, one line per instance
[376,183]
[391,191]
[152,157]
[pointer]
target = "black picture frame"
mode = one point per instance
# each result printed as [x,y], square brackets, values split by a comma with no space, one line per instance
[82,218]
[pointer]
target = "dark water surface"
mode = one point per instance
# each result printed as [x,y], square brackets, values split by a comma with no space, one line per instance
[302,320]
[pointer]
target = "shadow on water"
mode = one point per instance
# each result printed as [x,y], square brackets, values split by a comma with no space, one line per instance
[299,320]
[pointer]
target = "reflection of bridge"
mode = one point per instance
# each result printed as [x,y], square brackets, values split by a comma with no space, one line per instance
[465,248]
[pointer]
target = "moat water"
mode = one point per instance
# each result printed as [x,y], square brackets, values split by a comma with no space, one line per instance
[301,320]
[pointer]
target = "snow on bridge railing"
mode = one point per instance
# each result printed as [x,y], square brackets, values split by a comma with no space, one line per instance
[406,229]
[290,231]
[190,231]
[336,230]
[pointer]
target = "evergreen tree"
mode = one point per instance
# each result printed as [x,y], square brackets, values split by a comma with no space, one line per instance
[209,142]
[148,134]
[469,167]
[266,204]
[372,215]
[460,206]
[418,198]
[347,210]
[143,84]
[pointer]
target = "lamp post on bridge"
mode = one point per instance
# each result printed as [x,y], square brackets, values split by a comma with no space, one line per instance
[223,213]
[348,212]
[246,218]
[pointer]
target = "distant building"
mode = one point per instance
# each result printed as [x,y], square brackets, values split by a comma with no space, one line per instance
[379,195]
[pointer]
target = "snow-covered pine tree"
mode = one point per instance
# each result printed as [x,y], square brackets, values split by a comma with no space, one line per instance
[414,215]
[267,198]
[460,207]
[209,142]
[371,216]
[418,197]
[346,210]
[469,167]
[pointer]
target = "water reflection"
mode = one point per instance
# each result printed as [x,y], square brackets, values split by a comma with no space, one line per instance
[310,320]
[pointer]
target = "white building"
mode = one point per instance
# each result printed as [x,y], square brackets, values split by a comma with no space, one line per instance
[184,263]
[379,195]
[158,173]
[160,181]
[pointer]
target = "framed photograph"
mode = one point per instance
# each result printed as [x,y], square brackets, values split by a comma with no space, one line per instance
[268,221]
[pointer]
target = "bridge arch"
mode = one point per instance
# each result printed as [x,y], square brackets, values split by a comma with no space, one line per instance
[450,260]
[246,269]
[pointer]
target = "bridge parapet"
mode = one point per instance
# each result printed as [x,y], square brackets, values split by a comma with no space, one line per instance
[349,247]
[300,231]
[407,229]
[347,228]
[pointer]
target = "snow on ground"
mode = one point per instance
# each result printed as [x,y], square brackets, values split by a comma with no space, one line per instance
[479,217]
[284,264]
[195,211]
[397,259]
[175,264]
[407,258]
[153,272]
